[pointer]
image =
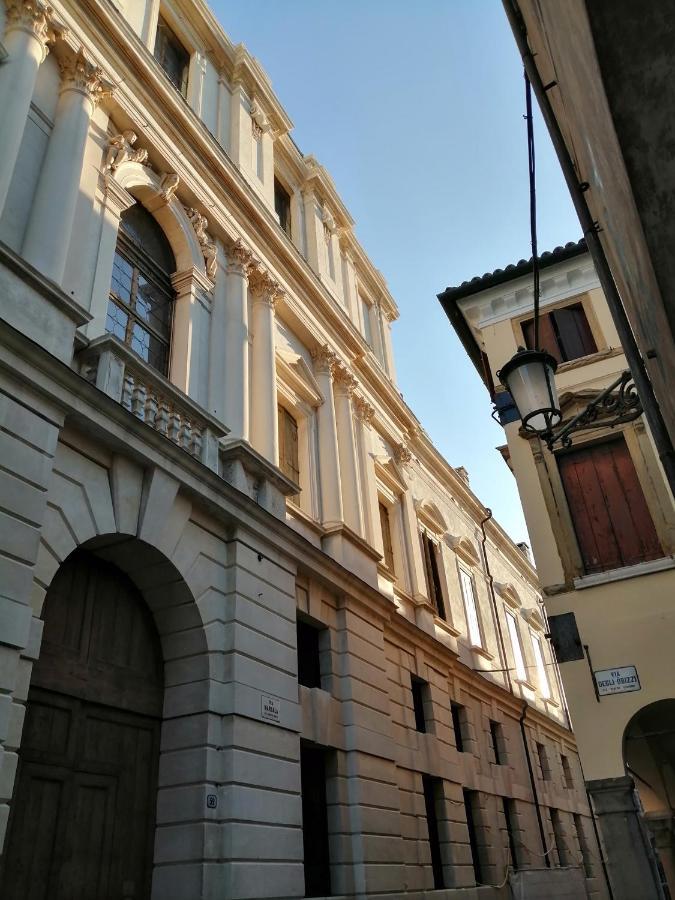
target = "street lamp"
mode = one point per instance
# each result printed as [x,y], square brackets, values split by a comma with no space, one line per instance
[529,376]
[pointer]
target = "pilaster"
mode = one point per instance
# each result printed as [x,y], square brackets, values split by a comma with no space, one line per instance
[329,465]
[264,430]
[189,340]
[364,417]
[344,384]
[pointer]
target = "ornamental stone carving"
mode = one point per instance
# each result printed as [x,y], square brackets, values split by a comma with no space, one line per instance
[365,411]
[78,74]
[168,186]
[402,454]
[37,18]
[324,359]
[263,286]
[209,249]
[239,258]
[121,149]
[259,121]
[329,226]
[343,378]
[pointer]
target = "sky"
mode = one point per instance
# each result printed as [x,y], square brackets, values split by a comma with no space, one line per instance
[415,107]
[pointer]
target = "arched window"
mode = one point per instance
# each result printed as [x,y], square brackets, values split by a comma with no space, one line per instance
[141,294]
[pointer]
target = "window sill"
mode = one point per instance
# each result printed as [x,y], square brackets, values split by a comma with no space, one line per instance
[645,568]
[446,626]
[481,651]
[523,682]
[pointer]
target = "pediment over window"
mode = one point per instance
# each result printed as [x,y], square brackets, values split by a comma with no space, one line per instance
[465,549]
[298,376]
[508,593]
[390,474]
[430,516]
[534,617]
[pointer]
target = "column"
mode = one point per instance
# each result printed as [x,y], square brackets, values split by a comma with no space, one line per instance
[411,535]
[371,518]
[51,220]
[631,861]
[349,473]
[230,367]
[264,432]
[329,465]
[189,338]
[30,28]
[116,200]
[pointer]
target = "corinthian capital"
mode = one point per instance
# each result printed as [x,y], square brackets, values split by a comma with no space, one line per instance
[402,454]
[324,359]
[78,74]
[37,18]
[264,288]
[365,411]
[343,378]
[239,258]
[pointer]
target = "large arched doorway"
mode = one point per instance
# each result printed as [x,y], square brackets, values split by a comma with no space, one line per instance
[82,825]
[649,755]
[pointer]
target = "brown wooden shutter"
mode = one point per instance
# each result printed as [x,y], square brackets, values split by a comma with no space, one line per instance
[386,537]
[574,333]
[288,447]
[611,519]
[434,590]
[547,336]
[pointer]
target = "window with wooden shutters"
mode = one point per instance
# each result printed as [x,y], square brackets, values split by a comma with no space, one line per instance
[172,56]
[610,515]
[388,547]
[471,608]
[564,333]
[430,553]
[288,447]
[514,635]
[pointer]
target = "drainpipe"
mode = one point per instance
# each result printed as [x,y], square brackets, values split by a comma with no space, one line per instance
[493,599]
[535,797]
[630,348]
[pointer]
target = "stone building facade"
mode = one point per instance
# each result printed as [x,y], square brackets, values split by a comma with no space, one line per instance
[602,522]
[257,637]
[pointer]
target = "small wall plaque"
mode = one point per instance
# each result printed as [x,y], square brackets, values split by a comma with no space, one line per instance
[620,680]
[211,801]
[270,708]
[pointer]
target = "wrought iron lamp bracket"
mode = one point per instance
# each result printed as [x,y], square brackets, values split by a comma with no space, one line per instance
[617,404]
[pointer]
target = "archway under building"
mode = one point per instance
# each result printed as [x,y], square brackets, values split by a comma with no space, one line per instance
[649,757]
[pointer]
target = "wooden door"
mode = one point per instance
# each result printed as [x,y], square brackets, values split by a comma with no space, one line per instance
[82,824]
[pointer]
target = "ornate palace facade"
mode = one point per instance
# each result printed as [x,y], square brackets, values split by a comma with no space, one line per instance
[257,637]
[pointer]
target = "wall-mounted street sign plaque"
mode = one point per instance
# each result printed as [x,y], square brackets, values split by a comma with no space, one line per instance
[617,681]
[269,708]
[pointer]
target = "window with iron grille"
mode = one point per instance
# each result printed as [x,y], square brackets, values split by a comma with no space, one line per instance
[459,725]
[471,808]
[309,653]
[140,304]
[564,333]
[497,742]
[559,838]
[433,798]
[509,809]
[568,780]
[172,56]
[586,855]
[420,696]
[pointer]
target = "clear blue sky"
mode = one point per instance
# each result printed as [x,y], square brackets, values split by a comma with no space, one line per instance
[415,108]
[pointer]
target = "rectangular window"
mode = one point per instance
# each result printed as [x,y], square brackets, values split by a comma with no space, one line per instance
[172,56]
[309,654]
[564,333]
[433,797]
[514,635]
[314,821]
[288,447]
[610,515]
[472,815]
[472,623]
[509,809]
[365,320]
[559,838]
[586,856]
[542,674]
[497,742]
[568,780]
[430,553]
[420,695]
[458,713]
[388,547]
[542,759]
[282,206]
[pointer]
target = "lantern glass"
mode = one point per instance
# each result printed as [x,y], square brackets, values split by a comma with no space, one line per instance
[530,379]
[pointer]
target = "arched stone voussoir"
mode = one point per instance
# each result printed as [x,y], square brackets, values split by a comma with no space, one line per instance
[145,185]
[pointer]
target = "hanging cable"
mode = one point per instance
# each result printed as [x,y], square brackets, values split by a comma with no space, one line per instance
[531,166]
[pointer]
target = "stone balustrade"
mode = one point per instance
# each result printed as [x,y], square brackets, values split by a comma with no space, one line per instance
[119,373]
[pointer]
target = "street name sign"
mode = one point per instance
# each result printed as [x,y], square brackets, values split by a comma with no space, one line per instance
[617,681]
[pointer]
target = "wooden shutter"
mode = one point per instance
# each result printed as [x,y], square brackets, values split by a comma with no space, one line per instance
[547,336]
[386,537]
[564,333]
[288,447]
[433,578]
[611,519]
